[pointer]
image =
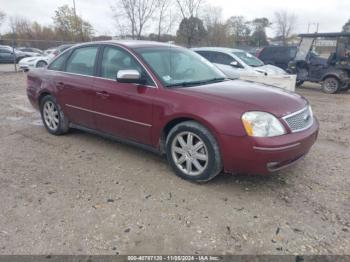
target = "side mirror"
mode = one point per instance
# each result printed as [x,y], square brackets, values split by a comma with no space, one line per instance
[129,76]
[234,64]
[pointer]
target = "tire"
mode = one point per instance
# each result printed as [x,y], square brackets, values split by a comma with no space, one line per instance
[299,83]
[41,64]
[330,85]
[52,116]
[199,162]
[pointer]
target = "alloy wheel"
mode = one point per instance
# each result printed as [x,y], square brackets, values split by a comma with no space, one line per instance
[189,153]
[51,115]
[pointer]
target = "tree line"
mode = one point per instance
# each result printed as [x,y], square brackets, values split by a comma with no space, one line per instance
[185,22]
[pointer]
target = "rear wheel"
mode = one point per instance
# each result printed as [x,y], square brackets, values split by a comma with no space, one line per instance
[193,152]
[331,85]
[299,83]
[41,64]
[52,116]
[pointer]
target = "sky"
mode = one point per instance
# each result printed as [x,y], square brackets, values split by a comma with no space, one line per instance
[331,14]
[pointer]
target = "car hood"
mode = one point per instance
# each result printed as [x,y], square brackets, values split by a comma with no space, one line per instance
[270,70]
[34,58]
[249,96]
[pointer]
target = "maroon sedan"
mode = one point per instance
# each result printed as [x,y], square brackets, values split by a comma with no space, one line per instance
[170,100]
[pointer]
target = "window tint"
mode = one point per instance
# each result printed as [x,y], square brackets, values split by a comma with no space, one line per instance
[115,59]
[58,63]
[82,61]
[174,65]
[6,51]
[205,54]
[221,58]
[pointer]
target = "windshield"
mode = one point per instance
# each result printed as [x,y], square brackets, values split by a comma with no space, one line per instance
[176,66]
[304,48]
[249,59]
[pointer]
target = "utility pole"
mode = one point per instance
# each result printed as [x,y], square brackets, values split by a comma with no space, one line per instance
[76,21]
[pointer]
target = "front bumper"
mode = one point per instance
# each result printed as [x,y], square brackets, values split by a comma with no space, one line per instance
[264,155]
[25,66]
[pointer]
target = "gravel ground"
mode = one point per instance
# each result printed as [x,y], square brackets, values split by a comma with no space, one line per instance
[82,194]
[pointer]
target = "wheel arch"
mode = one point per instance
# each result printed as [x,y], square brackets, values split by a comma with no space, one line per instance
[42,95]
[335,75]
[36,64]
[171,123]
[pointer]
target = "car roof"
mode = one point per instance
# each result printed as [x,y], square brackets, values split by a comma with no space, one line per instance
[130,43]
[218,49]
[280,46]
[345,34]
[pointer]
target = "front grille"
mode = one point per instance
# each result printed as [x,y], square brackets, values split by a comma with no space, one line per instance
[300,120]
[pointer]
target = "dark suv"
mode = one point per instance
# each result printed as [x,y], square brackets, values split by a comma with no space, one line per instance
[278,55]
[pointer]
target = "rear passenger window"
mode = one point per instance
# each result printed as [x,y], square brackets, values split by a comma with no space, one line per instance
[266,53]
[205,54]
[221,58]
[82,61]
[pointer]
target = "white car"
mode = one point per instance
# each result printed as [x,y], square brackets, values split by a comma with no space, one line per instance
[29,51]
[236,63]
[34,62]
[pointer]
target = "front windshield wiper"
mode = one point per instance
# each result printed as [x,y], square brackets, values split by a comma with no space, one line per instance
[194,83]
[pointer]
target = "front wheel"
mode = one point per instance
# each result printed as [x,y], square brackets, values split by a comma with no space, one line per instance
[193,152]
[331,85]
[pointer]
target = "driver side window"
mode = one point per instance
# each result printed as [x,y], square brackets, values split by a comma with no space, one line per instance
[115,59]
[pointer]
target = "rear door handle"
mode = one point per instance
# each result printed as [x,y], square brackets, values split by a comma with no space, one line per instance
[102,94]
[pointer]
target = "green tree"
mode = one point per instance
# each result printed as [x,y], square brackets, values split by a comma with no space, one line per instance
[259,25]
[71,27]
[346,26]
[191,31]
[239,30]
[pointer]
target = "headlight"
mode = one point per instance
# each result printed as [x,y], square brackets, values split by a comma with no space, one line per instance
[262,124]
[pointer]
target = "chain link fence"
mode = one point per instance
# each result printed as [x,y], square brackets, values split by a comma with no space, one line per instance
[10,55]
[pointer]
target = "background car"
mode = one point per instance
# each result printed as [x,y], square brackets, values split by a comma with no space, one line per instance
[34,62]
[60,49]
[8,55]
[49,51]
[29,51]
[41,61]
[238,63]
[279,56]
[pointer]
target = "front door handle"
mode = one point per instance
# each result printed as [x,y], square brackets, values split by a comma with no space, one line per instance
[102,94]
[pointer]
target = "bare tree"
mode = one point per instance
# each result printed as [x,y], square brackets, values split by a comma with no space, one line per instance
[20,26]
[190,23]
[165,16]
[217,30]
[189,8]
[239,29]
[2,17]
[284,25]
[137,13]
